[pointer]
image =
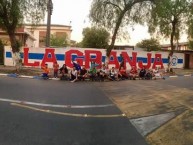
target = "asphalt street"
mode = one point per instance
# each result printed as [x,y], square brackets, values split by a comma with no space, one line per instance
[47,112]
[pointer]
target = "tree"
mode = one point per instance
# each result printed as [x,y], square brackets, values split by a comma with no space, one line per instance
[1,51]
[115,14]
[190,44]
[149,44]
[13,13]
[170,18]
[95,38]
[59,41]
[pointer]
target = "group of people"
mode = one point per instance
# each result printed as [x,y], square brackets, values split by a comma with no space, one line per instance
[100,73]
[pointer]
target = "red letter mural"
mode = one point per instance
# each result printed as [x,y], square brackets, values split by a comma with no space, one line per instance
[26,63]
[68,57]
[158,61]
[113,59]
[126,57]
[88,59]
[49,56]
[140,63]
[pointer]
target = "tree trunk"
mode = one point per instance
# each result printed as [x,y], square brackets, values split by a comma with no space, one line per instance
[15,52]
[115,34]
[174,22]
[111,46]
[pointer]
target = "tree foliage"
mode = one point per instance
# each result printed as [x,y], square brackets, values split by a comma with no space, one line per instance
[14,12]
[190,44]
[149,44]
[95,38]
[170,18]
[59,41]
[115,14]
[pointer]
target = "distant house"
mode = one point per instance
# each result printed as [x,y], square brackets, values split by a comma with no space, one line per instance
[39,32]
[35,36]
[180,46]
[22,34]
[123,47]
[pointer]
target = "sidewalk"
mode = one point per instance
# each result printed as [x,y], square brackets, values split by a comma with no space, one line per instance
[27,71]
[32,71]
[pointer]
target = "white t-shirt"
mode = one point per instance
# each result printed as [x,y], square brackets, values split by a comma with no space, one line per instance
[74,72]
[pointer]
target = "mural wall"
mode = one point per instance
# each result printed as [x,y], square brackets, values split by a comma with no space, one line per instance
[35,57]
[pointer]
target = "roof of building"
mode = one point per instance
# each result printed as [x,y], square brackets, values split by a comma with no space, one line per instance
[54,25]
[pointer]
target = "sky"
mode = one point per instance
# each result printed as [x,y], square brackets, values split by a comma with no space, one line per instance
[75,13]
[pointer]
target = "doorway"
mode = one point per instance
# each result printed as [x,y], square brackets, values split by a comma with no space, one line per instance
[187,61]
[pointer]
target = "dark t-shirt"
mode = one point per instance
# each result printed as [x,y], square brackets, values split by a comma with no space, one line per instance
[83,71]
[77,66]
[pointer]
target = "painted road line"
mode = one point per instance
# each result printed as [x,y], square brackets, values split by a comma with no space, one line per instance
[68,114]
[55,105]
[3,74]
[188,75]
[22,76]
[173,76]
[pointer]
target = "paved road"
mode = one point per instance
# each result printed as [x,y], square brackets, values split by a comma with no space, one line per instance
[68,124]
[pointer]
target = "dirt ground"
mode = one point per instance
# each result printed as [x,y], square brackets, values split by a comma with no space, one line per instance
[24,70]
[146,98]
[179,131]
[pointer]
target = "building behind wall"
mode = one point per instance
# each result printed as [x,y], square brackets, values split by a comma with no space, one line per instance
[179,47]
[39,32]
[35,36]
[22,35]
[188,55]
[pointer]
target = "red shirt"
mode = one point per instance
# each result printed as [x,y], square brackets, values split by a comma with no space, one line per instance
[55,66]
[122,71]
[133,71]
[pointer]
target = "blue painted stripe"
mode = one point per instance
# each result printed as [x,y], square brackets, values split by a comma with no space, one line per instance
[8,55]
[61,57]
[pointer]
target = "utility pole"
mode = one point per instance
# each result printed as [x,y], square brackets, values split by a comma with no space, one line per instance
[49,9]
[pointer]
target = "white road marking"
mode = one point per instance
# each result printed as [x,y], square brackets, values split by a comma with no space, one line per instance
[173,76]
[187,75]
[3,74]
[55,105]
[68,114]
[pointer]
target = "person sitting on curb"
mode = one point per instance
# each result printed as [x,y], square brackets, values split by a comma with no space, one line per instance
[83,73]
[77,66]
[73,75]
[157,74]
[142,73]
[93,73]
[123,74]
[133,73]
[149,75]
[63,73]
[103,73]
[55,68]
[113,74]
[45,71]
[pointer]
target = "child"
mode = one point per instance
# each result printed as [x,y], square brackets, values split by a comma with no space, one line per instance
[55,67]
[45,71]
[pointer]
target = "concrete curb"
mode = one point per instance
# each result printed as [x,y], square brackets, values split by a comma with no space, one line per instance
[56,79]
[23,76]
